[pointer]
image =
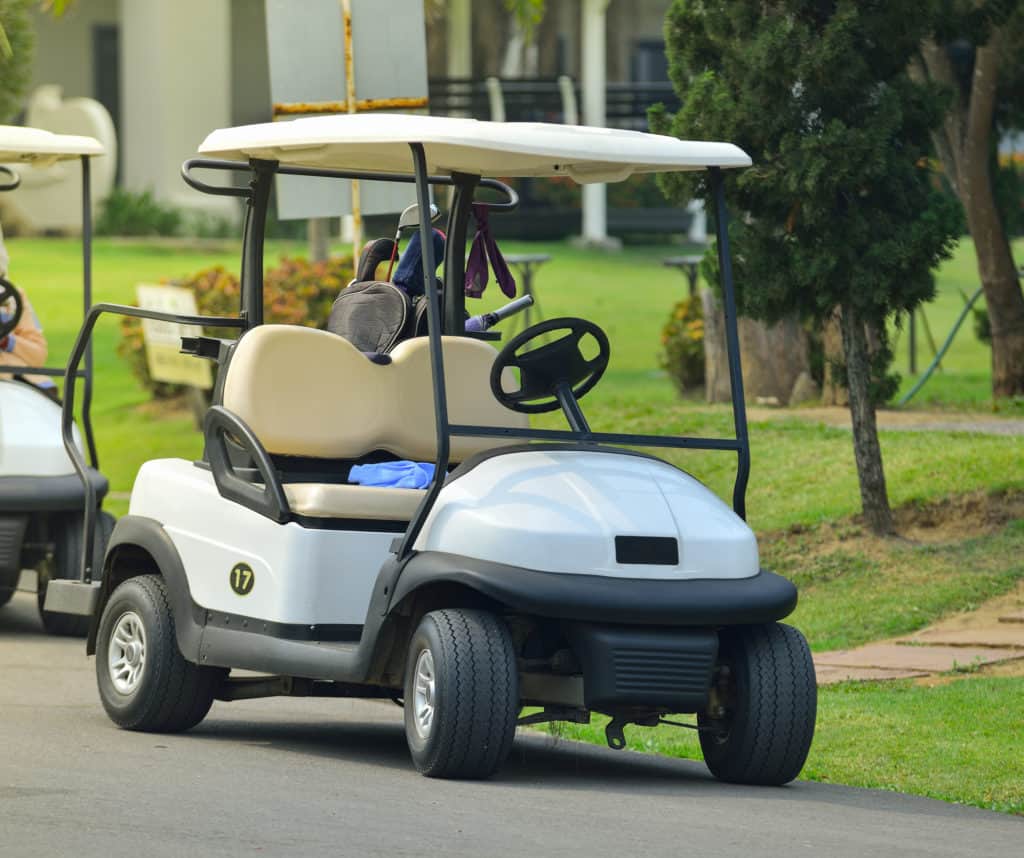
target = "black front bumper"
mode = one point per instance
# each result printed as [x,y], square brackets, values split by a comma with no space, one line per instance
[762,598]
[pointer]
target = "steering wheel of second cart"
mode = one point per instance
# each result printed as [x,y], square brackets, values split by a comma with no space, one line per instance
[546,368]
[9,294]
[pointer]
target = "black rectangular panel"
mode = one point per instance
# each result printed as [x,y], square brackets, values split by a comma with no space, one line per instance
[649,550]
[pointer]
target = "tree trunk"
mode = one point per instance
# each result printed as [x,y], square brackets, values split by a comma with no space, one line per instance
[774,357]
[963,143]
[866,450]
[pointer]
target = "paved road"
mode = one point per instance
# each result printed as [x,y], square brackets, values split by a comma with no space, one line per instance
[316,778]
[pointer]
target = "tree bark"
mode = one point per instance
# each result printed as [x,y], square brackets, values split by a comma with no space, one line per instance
[866,450]
[963,143]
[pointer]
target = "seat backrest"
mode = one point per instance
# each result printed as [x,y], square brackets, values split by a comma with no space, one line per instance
[306,392]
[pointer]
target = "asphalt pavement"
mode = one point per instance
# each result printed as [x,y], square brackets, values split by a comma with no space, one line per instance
[326,777]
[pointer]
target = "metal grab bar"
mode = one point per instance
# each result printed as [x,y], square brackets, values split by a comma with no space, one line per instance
[68,409]
[365,175]
[14,177]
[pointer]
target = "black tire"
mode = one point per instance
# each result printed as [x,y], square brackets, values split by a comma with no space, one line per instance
[170,694]
[6,595]
[771,701]
[67,535]
[475,699]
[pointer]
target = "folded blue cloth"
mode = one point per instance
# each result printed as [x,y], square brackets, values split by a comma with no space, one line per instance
[394,475]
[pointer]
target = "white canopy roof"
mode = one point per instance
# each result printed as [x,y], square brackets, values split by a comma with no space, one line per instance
[380,142]
[18,143]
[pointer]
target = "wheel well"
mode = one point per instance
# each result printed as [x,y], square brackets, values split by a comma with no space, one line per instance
[393,644]
[128,561]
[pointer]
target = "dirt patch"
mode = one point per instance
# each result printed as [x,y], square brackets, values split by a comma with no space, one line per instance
[169,408]
[988,423]
[939,522]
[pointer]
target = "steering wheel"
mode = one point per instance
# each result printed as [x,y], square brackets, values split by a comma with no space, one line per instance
[9,293]
[554,365]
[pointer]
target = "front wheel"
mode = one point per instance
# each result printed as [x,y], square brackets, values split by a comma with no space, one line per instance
[144,681]
[461,694]
[764,704]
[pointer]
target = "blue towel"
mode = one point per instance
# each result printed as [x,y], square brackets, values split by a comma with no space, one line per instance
[394,475]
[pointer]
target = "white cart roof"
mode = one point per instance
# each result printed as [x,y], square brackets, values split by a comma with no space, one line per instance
[380,142]
[18,143]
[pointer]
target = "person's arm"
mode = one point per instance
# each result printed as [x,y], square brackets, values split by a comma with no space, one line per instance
[26,345]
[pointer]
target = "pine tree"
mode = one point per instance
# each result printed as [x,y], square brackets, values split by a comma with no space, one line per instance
[840,209]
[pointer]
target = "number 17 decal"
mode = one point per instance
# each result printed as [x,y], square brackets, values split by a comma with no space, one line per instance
[242,579]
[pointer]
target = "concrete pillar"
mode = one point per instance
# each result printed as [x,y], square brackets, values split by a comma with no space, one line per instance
[593,82]
[460,38]
[175,89]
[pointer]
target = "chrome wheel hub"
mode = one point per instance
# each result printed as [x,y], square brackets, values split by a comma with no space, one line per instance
[126,655]
[424,694]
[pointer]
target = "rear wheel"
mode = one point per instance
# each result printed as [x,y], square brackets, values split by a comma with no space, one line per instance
[763,707]
[461,694]
[144,681]
[67,554]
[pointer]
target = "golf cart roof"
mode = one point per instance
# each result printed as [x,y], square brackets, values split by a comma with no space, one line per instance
[380,142]
[18,143]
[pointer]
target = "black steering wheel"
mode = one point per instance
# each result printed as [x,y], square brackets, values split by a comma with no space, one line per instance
[9,293]
[554,365]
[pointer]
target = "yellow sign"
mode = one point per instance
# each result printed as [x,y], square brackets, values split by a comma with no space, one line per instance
[163,339]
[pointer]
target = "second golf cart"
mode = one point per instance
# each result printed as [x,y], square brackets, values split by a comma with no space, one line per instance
[556,569]
[42,501]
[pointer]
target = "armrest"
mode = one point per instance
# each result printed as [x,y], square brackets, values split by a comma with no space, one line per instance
[268,499]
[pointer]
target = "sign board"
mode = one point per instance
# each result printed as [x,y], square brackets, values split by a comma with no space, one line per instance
[306,45]
[163,339]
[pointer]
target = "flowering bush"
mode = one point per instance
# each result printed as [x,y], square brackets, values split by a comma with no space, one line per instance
[682,342]
[296,292]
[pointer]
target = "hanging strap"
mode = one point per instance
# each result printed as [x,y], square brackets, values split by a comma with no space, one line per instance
[486,248]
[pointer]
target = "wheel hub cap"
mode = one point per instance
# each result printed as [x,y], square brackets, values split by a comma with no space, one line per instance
[424,693]
[126,655]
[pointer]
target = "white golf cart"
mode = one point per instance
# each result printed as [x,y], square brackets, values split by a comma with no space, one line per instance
[556,569]
[41,498]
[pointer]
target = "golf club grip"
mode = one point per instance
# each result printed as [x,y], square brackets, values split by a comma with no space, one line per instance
[512,308]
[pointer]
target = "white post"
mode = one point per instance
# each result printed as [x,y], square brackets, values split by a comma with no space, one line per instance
[175,89]
[460,39]
[595,225]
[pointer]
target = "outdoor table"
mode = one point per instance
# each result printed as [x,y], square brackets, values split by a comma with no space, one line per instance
[688,265]
[527,264]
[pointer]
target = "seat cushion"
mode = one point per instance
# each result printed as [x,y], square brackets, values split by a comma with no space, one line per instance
[331,500]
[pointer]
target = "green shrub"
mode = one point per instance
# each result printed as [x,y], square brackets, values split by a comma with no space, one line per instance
[682,342]
[129,213]
[296,292]
[16,66]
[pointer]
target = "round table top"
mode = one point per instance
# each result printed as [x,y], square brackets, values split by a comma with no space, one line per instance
[526,258]
[681,261]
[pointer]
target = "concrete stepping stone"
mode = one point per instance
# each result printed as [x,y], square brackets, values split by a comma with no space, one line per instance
[1003,635]
[1016,617]
[931,659]
[830,674]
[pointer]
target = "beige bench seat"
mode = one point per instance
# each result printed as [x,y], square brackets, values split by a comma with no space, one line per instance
[310,393]
[329,500]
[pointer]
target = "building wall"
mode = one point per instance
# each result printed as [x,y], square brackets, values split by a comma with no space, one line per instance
[250,72]
[64,46]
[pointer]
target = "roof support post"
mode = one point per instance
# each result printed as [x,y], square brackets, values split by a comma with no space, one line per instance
[255,225]
[436,355]
[739,408]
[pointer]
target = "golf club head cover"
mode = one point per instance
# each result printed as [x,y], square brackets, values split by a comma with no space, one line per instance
[409,274]
[374,253]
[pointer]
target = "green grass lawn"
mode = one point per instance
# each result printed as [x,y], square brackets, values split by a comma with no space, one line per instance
[960,741]
[803,476]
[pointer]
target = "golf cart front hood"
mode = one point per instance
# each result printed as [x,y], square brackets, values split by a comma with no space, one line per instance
[562,511]
[30,437]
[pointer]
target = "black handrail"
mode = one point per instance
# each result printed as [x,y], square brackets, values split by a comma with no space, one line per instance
[68,410]
[15,178]
[365,175]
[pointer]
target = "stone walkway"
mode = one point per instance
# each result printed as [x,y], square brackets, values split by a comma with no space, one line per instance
[991,635]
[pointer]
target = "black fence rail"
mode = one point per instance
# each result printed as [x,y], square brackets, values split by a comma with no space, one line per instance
[544,100]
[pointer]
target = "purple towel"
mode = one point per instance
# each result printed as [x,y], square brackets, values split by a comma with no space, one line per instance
[484,247]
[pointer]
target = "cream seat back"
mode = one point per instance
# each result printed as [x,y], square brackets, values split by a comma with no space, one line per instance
[306,392]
